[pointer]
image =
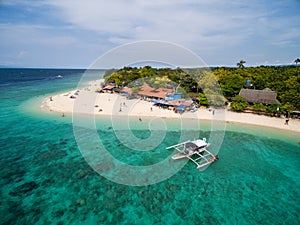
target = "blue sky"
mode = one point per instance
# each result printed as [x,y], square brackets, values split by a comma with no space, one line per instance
[72,34]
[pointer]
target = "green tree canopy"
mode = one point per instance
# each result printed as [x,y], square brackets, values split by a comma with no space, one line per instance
[285,80]
[239,104]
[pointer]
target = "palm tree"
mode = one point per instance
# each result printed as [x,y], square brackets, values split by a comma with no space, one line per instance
[297,61]
[240,64]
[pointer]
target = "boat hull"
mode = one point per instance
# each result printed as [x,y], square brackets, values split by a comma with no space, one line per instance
[179,156]
[182,155]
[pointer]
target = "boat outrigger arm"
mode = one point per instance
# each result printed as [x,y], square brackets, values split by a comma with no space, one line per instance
[195,151]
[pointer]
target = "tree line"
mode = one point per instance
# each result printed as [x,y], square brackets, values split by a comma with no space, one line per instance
[202,84]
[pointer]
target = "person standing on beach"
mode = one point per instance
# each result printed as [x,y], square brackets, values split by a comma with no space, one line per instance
[287,118]
[287,121]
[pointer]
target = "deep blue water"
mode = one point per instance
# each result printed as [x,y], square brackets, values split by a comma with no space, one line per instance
[45,179]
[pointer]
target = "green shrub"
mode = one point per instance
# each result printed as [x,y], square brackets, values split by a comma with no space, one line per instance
[259,107]
[239,104]
[273,109]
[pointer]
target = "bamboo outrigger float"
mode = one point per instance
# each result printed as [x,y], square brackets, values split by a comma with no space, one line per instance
[195,151]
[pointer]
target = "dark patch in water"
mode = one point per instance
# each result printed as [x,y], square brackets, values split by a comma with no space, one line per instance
[24,189]
[15,175]
[57,213]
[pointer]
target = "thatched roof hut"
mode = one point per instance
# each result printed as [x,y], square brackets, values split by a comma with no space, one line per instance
[265,96]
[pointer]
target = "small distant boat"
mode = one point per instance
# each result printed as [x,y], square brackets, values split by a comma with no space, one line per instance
[59,76]
[195,151]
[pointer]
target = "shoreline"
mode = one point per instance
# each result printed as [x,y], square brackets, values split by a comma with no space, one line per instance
[87,101]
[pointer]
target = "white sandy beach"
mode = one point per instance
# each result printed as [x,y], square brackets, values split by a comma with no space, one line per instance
[88,101]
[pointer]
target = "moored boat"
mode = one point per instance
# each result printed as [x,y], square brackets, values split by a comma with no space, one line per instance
[197,148]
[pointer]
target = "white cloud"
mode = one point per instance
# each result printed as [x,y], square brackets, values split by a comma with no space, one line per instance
[212,28]
[190,23]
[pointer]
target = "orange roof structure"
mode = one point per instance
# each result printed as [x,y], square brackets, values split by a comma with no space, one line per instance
[154,93]
[187,103]
[127,90]
[108,87]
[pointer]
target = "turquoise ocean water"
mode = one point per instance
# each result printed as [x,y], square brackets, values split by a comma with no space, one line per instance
[46,180]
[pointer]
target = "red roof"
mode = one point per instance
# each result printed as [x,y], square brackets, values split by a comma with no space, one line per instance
[127,90]
[175,102]
[167,90]
[147,88]
[152,92]
[108,87]
[187,103]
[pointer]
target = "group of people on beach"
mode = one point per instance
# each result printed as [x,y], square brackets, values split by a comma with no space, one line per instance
[122,105]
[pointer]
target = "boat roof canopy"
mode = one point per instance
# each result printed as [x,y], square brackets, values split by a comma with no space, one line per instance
[191,145]
[199,142]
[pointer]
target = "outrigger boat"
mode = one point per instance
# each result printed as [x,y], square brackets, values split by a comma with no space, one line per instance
[195,151]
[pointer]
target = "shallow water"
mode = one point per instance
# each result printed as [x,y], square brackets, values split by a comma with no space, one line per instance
[46,180]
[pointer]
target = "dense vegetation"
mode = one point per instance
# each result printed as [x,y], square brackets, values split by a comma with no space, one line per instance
[285,80]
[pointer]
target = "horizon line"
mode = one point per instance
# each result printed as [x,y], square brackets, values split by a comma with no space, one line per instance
[209,66]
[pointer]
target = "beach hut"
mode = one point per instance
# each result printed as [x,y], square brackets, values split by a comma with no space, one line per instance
[127,92]
[180,109]
[149,93]
[109,88]
[161,103]
[265,96]
[172,96]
